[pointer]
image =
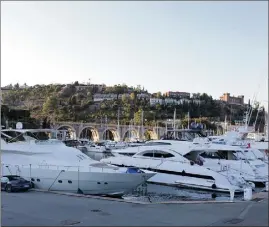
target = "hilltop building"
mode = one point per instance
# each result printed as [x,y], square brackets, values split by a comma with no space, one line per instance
[177,94]
[232,100]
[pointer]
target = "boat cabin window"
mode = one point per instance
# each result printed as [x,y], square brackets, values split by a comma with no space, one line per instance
[148,154]
[72,143]
[158,154]
[156,143]
[194,156]
[220,154]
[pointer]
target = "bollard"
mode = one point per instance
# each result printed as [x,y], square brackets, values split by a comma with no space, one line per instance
[266,186]
[247,194]
[232,194]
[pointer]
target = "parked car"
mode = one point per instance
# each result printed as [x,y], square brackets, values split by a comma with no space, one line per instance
[11,183]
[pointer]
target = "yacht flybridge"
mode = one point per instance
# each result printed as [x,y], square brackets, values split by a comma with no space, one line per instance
[49,164]
[174,168]
[242,138]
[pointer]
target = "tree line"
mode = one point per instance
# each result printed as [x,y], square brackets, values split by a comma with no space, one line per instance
[60,102]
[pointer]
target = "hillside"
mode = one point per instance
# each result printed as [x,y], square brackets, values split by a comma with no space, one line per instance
[99,103]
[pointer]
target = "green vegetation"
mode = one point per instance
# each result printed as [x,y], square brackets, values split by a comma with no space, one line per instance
[74,102]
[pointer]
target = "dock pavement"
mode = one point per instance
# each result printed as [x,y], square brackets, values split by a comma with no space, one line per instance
[39,208]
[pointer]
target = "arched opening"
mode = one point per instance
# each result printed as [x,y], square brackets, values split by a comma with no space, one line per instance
[111,134]
[150,135]
[89,133]
[66,132]
[219,130]
[130,135]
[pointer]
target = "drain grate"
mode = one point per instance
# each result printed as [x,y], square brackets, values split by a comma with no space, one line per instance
[234,221]
[257,199]
[70,222]
[95,210]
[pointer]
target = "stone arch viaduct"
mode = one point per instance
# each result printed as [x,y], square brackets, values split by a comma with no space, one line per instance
[98,132]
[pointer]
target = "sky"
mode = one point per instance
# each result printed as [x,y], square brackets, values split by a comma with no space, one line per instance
[212,46]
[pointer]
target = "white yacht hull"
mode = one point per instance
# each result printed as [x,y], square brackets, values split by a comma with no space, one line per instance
[242,168]
[97,183]
[171,173]
[188,182]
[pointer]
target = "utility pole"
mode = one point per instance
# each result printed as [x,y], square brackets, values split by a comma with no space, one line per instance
[118,126]
[188,119]
[174,125]
[256,118]
[106,125]
[142,123]
[267,117]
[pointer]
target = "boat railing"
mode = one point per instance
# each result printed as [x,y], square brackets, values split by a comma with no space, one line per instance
[166,160]
[37,142]
[231,170]
[48,142]
[88,168]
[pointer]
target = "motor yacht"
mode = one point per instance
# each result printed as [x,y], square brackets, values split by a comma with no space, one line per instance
[128,151]
[51,165]
[218,155]
[93,147]
[175,169]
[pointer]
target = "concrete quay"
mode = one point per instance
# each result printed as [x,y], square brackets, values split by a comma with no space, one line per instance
[58,209]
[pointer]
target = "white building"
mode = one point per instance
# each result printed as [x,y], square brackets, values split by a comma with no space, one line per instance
[170,101]
[143,95]
[102,97]
[155,101]
[181,101]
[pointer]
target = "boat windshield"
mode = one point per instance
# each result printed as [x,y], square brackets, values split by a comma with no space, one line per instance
[250,154]
[72,143]
[183,135]
[38,135]
[220,154]
[25,135]
[239,155]
[12,136]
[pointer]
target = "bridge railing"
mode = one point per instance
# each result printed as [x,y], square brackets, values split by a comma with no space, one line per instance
[102,125]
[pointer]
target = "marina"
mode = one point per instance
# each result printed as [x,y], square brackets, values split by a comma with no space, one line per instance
[59,189]
[134,113]
[196,163]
